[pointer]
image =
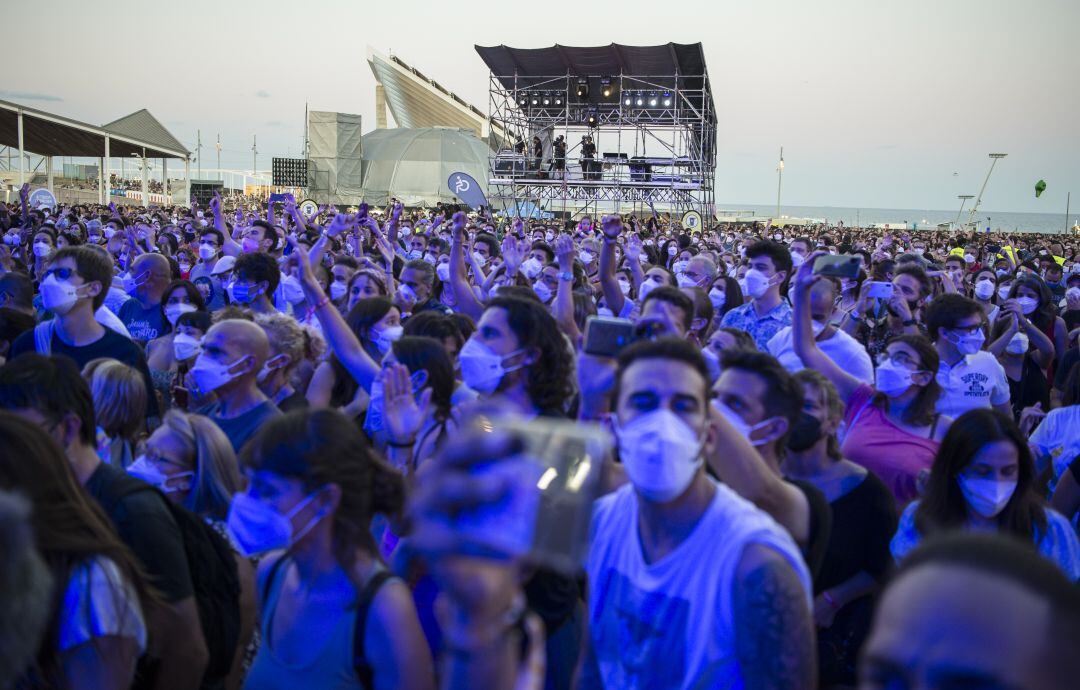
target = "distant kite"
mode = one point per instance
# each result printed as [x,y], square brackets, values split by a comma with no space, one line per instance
[1040,187]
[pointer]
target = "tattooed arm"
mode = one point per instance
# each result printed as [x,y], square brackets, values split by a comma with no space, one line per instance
[774,629]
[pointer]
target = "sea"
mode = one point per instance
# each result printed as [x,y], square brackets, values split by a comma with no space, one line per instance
[1053,223]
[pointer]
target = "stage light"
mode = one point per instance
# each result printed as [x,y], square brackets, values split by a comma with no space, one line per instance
[652,102]
[547,100]
[667,100]
[640,101]
[605,87]
[558,100]
[535,101]
[626,101]
[582,87]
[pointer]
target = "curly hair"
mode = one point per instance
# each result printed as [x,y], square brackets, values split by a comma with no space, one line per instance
[550,378]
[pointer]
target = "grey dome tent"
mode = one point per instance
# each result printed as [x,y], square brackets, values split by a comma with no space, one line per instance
[412,165]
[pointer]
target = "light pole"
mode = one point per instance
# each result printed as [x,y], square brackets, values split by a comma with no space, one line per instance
[994,158]
[963,200]
[779,181]
[218,146]
[254,156]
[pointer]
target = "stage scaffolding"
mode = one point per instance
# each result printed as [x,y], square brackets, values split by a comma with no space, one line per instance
[654,128]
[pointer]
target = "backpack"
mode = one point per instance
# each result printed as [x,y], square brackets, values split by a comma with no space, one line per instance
[214,577]
[363,669]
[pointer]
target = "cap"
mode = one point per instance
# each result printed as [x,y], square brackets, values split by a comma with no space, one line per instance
[224,265]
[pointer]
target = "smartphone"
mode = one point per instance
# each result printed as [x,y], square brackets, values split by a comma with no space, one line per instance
[840,266]
[545,514]
[361,213]
[879,289]
[605,336]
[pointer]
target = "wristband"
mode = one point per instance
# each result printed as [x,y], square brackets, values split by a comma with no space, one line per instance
[394,444]
[830,601]
[908,323]
[321,303]
[568,276]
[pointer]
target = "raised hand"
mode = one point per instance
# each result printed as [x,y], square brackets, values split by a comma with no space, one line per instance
[513,251]
[1030,418]
[338,225]
[458,226]
[395,215]
[634,248]
[565,252]
[518,227]
[215,204]
[611,226]
[403,414]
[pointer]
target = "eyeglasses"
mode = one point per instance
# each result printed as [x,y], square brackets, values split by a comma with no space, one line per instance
[967,330]
[902,359]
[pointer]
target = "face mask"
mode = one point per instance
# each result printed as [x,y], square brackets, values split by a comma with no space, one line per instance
[1002,272]
[416,253]
[549,236]
[294,293]
[147,471]
[718,298]
[185,347]
[542,291]
[242,293]
[210,375]
[481,369]
[968,344]
[250,245]
[712,363]
[892,379]
[778,237]
[797,259]
[207,252]
[987,497]
[1028,304]
[1018,345]
[984,289]
[110,232]
[58,296]
[338,290]
[757,283]
[741,426]
[805,433]
[684,281]
[479,259]
[672,250]
[133,284]
[185,267]
[406,230]
[679,266]
[257,528]
[969,258]
[443,271]
[660,453]
[531,267]
[1003,292]
[586,256]
[41,249]
[11,240]
[647,287]
[173,311]
[430,259]
[385,338]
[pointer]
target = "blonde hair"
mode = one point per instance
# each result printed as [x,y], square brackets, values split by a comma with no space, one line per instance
[120,397]
[217,473]
[287,337]
[834,406]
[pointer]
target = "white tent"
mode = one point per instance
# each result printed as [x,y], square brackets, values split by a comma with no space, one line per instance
[412,165]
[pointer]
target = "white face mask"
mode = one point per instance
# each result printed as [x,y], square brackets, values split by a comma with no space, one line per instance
[210,375]
[1003,292]
[291,288]
[185,347]
[384,338]
[338,290]
[207,252]
[987,497]
[41,249]
[757,283]
[661,454]
[717,297]
[744,429]
[984,289]
[443,271]
[679,266]
[968,344]
[892,379]
[150,473]
[586,256]
[1018,345]
[542,291]
[684,281]
[173,311]
[624,287]
[1028,304]
[481,369]
[672,250]
[648,286]
[58,296]
[797,259]
[531,267]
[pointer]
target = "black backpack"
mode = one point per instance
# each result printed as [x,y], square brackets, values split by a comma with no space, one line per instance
[214,577]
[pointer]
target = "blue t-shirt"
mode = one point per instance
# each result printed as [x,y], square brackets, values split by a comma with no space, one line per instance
[144,324]
[240,429]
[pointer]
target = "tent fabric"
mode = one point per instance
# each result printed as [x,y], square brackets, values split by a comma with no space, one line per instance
[335,149]
[533,64]
[145,127]
[413,165]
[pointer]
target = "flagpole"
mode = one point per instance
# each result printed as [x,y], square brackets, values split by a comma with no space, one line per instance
[779,181]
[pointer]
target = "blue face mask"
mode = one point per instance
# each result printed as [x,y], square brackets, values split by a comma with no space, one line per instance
[242,293]
[256,528]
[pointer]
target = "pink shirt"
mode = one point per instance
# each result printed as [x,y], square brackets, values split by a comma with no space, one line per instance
[894,455]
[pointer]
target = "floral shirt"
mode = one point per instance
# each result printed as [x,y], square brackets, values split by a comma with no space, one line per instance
[761,328]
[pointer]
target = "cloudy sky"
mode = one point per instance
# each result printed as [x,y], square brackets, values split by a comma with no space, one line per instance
[891,103]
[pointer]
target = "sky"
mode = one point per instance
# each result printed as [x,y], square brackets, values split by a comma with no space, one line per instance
[887,104]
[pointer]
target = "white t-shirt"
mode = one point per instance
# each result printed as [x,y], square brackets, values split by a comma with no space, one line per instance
[1058,435]
[976,381]
[100,602]
[670,624]
[108,319]
[846,352]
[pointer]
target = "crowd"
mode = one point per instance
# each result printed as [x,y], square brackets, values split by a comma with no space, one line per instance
[258,449]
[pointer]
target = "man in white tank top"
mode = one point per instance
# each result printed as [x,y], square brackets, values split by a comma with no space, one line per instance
[690,586]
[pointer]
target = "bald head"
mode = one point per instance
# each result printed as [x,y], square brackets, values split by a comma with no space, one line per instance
[152,274]
[241,337]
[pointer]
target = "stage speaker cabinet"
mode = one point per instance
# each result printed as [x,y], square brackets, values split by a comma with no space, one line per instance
[335,155]
[203,190]
[290,172]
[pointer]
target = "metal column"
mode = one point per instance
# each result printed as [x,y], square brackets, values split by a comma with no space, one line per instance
[22,162]
[145,182]
[105,173]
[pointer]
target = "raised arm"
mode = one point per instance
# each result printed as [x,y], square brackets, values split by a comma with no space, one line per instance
[608,283]
[466,298]
[342,340]
[563,306]
[229,246]
[805,345]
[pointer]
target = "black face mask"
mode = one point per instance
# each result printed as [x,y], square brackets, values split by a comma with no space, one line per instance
[805,433]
